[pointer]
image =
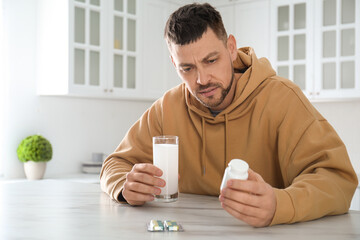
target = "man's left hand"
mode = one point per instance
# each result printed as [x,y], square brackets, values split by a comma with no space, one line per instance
[252,201]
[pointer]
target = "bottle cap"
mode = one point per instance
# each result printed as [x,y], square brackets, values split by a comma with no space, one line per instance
[239,165]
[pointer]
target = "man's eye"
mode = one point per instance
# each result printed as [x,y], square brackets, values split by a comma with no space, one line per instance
[212,60]
[187,69]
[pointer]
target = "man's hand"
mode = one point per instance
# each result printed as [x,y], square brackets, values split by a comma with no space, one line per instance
[142,182]
[252,201]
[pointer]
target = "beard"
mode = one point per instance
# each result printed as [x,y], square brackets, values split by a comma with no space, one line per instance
[213,102]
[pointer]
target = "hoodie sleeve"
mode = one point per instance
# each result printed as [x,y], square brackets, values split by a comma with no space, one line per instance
[319,177]
[136,147]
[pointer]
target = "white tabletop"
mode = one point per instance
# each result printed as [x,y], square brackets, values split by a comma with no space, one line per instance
[56,209]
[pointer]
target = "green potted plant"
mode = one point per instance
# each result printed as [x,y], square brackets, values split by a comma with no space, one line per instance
[34,151]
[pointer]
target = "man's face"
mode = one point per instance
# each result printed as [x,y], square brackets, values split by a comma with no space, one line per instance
[206,68]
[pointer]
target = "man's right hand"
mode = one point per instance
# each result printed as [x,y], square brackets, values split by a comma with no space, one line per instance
[142,183]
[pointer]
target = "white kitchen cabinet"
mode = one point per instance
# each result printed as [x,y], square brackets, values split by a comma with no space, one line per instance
[157,71]
[316,44]
[72,48]
[107,49]
[227,12]
[249,22]
[292,30]
[337,44]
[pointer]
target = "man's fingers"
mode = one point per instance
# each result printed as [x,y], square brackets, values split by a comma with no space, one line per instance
[145,178]
[136,198]
[137,193]
[141,188]
[246,186]
[250,185]
[142,183]
[241,197]
[148,168]
[242,208]
[253,221]
[252,201]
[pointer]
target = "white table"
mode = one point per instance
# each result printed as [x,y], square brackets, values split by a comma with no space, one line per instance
[57,209]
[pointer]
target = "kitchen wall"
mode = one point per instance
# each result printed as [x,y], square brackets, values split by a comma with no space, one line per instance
[78,126]
[344,116]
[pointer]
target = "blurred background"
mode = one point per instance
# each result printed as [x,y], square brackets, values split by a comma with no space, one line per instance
[81,72]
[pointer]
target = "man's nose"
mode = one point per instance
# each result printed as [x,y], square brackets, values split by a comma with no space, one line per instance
[202,76]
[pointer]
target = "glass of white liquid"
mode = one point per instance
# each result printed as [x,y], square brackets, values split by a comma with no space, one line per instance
[166,157]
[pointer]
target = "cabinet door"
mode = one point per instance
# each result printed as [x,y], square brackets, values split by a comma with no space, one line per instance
[87,47]
[104,48]
[157,72]
[123,50]
[248,22]
[292,51]
[252,20]
[337,48]
[227,12]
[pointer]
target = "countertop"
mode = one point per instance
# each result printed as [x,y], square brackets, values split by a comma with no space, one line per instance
[59,209]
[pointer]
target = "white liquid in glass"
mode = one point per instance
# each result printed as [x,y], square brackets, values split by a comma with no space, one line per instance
[166,158]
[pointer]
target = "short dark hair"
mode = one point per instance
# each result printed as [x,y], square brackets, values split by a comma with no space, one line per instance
[188,24]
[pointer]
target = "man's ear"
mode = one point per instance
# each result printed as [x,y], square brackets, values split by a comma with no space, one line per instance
[231,45]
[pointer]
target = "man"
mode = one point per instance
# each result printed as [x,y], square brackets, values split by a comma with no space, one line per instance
[232,105]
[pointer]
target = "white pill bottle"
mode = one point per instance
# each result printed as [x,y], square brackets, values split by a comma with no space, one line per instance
[237,169]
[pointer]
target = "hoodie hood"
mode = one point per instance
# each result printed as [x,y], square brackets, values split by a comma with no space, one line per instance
[256,71]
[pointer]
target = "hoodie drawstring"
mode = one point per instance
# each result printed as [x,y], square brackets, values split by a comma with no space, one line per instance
[203,164]
[226,140]
[203,158]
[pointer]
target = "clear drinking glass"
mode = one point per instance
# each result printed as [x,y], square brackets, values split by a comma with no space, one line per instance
[166,157]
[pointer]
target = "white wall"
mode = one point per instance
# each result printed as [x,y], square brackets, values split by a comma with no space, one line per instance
[345,118]
[76,127]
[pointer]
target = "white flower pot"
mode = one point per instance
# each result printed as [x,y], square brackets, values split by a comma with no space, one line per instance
[34,170]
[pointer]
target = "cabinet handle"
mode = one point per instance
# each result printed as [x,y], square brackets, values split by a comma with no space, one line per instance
[317,93]
[110,90]
[105,90]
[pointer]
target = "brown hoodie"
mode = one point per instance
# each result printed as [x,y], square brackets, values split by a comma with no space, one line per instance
[270,124]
